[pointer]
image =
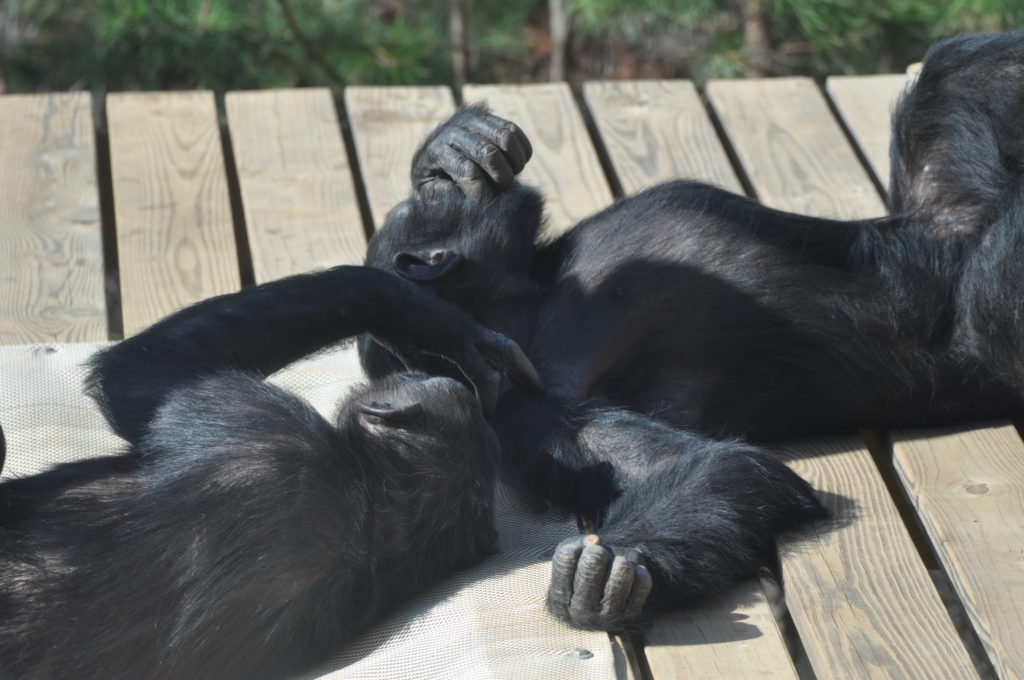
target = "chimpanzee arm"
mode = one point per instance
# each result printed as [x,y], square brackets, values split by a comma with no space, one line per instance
[264,328]
[664,509]
[474,152]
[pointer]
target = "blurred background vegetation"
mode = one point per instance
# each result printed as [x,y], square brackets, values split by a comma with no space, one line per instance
[230,44]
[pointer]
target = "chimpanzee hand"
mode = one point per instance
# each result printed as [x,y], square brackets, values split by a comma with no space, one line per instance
[475,152]
[424,327]
[597,587]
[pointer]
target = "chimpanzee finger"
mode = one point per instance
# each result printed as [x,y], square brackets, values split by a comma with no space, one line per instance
[505,355]
[506,135]
[485,379]
[483,153]
[618,588]
[563,573]
[434,188]
[467,174]
[642,584]
[588,586]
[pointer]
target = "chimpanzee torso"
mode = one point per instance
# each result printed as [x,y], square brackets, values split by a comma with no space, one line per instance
[713,313]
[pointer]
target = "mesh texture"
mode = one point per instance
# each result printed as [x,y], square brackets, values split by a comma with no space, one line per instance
[482,623]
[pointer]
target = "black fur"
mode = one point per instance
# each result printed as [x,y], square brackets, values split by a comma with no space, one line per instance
[244,536]
[691,307]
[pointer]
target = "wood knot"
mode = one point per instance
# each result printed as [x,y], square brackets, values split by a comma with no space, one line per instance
[978,488]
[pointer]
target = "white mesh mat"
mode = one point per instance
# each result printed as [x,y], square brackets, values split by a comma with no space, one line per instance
[486,622]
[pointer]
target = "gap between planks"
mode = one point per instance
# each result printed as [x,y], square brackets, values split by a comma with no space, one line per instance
[867,572]
[965,520]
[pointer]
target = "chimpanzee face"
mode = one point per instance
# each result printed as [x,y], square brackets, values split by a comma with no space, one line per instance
[459,247]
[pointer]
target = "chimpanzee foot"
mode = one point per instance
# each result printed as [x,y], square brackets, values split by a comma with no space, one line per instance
[598,587]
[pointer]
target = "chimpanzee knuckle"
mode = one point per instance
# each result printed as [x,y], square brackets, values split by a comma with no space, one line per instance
[435,187]
[466,170]
[513,134]
[569,551]
[590,575]
[563,573]
[508,134]
[497,165]
[620,581]
[642,585]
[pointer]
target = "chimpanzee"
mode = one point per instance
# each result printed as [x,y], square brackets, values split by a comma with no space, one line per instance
[244,536]
[680,320]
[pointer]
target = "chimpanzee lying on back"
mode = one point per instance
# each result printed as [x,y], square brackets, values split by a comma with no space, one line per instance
[243,536]
[687,306]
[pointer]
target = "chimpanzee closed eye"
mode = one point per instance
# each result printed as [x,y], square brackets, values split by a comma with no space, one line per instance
[679,320]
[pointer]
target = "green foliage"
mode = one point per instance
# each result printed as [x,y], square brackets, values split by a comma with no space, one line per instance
[861,35]
[122,44]
[231,44]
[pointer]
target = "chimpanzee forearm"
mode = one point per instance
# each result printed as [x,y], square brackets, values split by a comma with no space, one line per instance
[264,328]
[259,329]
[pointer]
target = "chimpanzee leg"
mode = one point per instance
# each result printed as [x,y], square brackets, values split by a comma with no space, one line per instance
[957,143]
[991,298]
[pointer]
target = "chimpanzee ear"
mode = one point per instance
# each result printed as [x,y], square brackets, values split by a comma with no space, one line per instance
[389,413]
[427,265]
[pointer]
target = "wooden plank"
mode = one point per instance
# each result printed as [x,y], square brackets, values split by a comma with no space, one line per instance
[300,205]
[654,131]
[792,149]
[968,486]
[51,248]
[658,130]
[388,125]
[174,230]
[733,636]
[570,175]
[860,597]
[523,640]
[850,589]
[866,104]
[968,533]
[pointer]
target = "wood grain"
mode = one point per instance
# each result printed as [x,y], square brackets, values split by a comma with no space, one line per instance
[982,571]
[792,149]
[570,175]
[850,589]
[174,230]
[652,132]
[866,104]
[525,634]
[860,597]
[733,636]
[51,248]
[658,130]
[300,205]
[388,125]
[968,486]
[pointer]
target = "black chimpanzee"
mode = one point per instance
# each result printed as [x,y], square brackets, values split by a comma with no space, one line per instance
[684,317]
[244,536]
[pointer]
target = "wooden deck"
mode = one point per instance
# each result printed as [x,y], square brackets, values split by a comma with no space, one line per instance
[113,216]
